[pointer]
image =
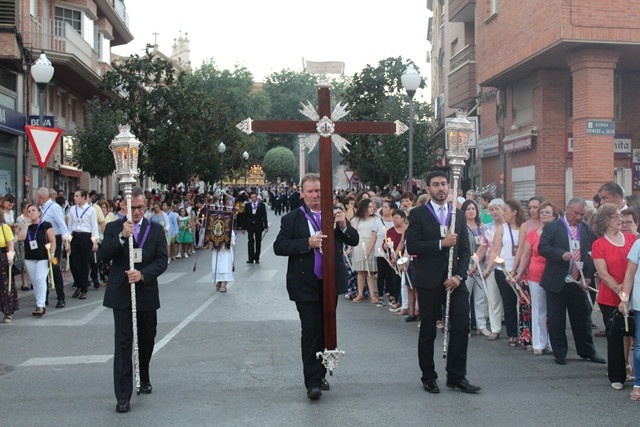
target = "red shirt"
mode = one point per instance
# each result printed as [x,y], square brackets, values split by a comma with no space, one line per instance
[536,265]
[616,259]
[395,238]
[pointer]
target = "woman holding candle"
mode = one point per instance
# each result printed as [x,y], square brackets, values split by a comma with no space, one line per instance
[505,245]
[474,284]
[364,261]
[36,234]
[8,295]
[533,263]
[609,254]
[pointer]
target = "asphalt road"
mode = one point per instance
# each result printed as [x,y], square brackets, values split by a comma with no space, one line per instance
[234,360]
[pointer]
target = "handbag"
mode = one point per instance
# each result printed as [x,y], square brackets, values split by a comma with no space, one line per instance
[616,323]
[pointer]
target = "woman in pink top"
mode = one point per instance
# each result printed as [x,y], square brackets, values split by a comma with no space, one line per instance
[533,263]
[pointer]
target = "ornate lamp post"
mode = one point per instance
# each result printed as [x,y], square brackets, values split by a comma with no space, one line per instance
[42,73]
[125,148]
[245,157]
[457,132]
[221,149]
[411,82]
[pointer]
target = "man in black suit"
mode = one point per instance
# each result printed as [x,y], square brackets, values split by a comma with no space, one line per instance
[566,244]
[149,238]
[300,239]
[429,239]
[255,221]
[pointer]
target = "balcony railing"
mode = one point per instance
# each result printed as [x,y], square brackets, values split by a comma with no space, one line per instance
[465,55]
[57,36]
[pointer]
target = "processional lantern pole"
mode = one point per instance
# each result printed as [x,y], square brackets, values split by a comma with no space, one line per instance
[457,132]
[126,148]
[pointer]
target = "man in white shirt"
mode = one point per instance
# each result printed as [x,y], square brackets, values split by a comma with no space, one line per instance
[83,226]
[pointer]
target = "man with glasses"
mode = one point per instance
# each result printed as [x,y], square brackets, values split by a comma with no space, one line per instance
[150,253]
[566,245]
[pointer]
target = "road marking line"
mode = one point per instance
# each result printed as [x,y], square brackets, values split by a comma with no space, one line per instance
[67,360]
[63,322]
[165,340]
[262,276]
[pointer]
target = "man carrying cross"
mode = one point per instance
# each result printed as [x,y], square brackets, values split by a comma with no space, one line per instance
[300,238]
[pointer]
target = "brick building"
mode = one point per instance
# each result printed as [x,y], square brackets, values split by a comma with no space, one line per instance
[76,36]
[555,85]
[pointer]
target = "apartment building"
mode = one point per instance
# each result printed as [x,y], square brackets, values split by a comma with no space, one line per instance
[77,36]
[556,92]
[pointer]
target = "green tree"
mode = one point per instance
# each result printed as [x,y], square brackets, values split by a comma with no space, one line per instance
[376,94]
[91,144]
[279,162]
[287,89]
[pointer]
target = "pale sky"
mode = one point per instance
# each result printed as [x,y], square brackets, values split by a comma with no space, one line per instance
[267,36]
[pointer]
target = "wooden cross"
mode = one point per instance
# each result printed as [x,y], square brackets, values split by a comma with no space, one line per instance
[325,128]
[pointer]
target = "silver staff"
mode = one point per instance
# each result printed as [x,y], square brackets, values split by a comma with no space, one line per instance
[125,148]
[458,131]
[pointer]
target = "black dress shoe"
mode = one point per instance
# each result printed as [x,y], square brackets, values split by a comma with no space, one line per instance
[249,262]
[122,406]
[145,388]
[595,358]
[76,294]
[411,318]
[314,393]
[561,361]
[96,284]
[60,303]
[257,261]
[324,385]
[463,386]
[431,386]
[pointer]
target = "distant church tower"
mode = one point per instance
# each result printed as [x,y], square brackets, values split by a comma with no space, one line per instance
[180,53]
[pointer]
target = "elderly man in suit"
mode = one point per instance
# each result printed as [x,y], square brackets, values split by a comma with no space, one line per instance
[300,238]
[429,238]
[148,238]
[566,245]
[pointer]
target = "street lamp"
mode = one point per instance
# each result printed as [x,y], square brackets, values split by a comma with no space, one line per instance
[42,73]
[411,82]
[458,133]
[245,157]
[125,148]
[221,149]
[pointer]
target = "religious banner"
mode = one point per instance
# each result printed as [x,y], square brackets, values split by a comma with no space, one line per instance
[218,226]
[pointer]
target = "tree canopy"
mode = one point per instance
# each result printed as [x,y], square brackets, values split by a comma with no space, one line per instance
[279,164]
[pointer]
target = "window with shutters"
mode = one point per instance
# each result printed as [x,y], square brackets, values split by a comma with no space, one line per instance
[7,13]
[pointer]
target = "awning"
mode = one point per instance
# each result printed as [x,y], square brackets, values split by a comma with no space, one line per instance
[70,171]
[519,142]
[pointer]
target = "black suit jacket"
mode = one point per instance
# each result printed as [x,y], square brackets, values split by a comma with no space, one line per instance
[554,242]
[154,262]
[423,239]
[293,241]
[257,221]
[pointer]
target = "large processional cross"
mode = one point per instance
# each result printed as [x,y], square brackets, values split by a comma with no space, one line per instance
[324,126]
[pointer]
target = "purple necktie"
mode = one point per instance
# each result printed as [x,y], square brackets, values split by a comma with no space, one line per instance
[443,219]
[136,228]
[317,261]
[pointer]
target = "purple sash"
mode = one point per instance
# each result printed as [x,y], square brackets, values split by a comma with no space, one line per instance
[317,256]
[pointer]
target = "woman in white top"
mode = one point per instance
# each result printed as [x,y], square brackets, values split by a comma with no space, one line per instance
[364,260]
[505,246]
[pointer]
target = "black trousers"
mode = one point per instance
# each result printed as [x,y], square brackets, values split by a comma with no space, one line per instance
[431,301]
[80,254]
[122,356]
[573,300]
[616,366]
[509,304]
[311,341]
[255,240]
[385,280]
[57,273]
